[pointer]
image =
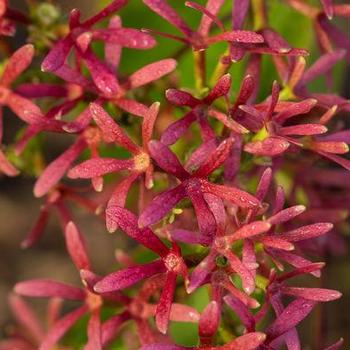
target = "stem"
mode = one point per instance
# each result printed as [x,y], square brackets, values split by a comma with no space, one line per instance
[259,14]
[220,69]
[199,69]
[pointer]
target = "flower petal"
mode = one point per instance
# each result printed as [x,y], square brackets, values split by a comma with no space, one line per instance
[165,302]
[56,169]
[270,147]
[48,288]
[61,327]
[129,276]
[161,205]
[111,131]
[127,221]
[306,232]
[286,214]
[99,166]
[316,294]
[76,247]
[181,98]
[166,159]
[18,62]
[151,72]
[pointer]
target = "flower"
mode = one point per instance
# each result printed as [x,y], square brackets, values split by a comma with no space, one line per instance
[194,186]
[171,263]
[200,40]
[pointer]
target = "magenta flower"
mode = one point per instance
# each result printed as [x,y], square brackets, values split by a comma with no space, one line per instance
[139,309]
[199,111]
[171,263]
[56,200]
[91,302]
[80,36]
[194,186]
[200,39]
[8,18]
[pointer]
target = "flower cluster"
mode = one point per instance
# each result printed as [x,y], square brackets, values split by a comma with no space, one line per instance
[235,191]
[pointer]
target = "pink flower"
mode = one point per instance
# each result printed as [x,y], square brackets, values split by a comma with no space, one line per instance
[200,39]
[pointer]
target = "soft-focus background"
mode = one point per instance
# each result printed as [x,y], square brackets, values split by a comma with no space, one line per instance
[19,209]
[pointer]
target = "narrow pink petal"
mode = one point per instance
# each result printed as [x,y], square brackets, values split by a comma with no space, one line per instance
[221,88]
[303,129]
[99,166]
[248,281]
[24,108]
[57,55]
[163,9]
[290,317]
[279,200]
[94,331]
[6,167]
[131,106]
[37,90]
[111,131]
[127,221]
[292,259]
[18,62]
[200,154]
[48,288]
[181,98]
[250,230]
[38,228]
[294,109]
[111,327]
[113,51]
[336,346]
[209,321]
[213,7]
[187,236]
[323,65]
[273,99]
[264,184]
[316,294]
[307,232]
[245,91]
[227,121]
[113,7]
[166,159]
[205,218]
[183,313]
[231,194]
[275,242]
[80,123]
[238,36]
[103,77]
[215,159]
[345,163]
[286,214]
[148,123]
[61,327]
[56,169]
[240,9]
[74,76]
[275,41]
[118,199]
[165,302]
[249,341]
[301,271]
[270,147]
[328,8]
[241,310]
[332,147]
[218,209]
[76,247]
[175,130]
[161,205]
[151,72]
[339,136]
[125,37]
[129,276]
[202,271]
[25,317]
